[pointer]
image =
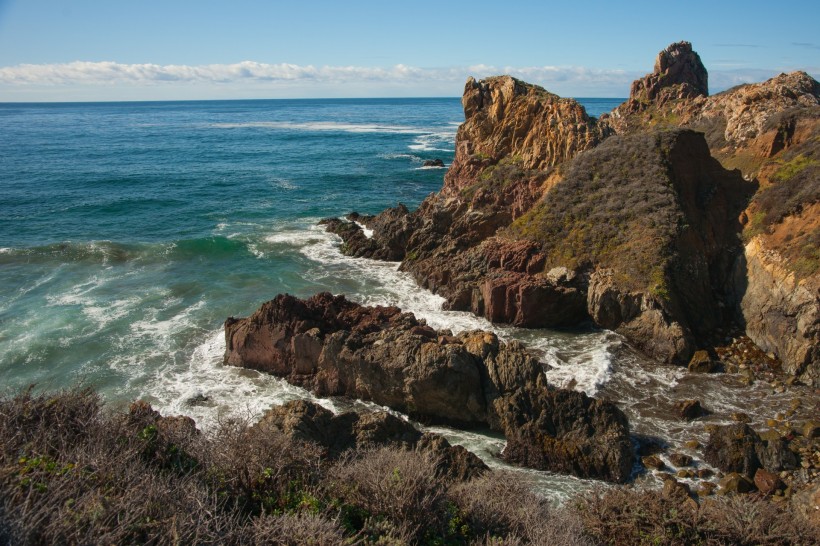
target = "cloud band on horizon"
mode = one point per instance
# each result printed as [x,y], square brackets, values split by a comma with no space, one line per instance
[564,80]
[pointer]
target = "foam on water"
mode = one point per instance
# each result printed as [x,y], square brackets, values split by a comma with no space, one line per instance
[323,126]
[441,141]
[367,232]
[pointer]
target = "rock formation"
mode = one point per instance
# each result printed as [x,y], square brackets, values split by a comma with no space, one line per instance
[308,422]
[548,217]
[335,347]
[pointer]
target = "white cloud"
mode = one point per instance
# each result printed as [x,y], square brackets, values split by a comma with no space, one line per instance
[106,72]
[107,79]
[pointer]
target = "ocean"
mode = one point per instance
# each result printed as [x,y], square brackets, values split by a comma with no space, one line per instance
[130,231]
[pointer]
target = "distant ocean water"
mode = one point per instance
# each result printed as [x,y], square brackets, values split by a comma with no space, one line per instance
[130,231]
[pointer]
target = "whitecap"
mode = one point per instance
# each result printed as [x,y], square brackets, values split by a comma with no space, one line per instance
[332,126]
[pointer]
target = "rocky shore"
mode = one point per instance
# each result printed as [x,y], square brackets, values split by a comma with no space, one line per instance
[686,223]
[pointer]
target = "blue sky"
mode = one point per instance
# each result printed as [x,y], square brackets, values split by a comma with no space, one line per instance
[202,49]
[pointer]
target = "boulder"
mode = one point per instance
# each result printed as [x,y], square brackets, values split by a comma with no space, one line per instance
[433,163]
[680,459]
[653,461]
[736,483]
[689,410]
[335,347]
[733,448]
[701,362]
[309,422]
[767,482]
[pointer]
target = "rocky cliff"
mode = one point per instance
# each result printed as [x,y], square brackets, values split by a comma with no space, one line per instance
[335,347]
[548,217]
[770,131]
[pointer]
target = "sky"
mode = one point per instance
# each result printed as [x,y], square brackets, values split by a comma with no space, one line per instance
[109,50]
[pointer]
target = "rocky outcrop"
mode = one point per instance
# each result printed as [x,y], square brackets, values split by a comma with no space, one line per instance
[505,117]
[678,74]
[652,219]
[738,448]
[335,347]
[782,311]
[308,422]
[645,223]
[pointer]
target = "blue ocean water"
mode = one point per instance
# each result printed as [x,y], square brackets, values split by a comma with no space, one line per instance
[130,231]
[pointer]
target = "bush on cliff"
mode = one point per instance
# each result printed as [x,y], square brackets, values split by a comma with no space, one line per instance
[616,207]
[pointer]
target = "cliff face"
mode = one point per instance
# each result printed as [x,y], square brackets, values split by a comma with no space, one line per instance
[771,132]
[549,217]
[507,118]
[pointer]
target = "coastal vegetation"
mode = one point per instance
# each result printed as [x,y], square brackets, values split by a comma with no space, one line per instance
[75,472]
[616,207]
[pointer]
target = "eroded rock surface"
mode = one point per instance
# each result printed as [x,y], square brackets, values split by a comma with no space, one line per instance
[335,347]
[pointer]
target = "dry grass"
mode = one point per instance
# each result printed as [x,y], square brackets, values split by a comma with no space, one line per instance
[72,474]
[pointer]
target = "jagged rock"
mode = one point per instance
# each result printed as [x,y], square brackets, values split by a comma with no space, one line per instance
[811,429]
[335,347]
[767,482]
[701,362]
[621,228]
[678,74]
[733,448]
[391,231]
[565,431]
[308,422]
[782,312]
[689,409]
[738,448]
[505,117]
[433,163]
[736,483]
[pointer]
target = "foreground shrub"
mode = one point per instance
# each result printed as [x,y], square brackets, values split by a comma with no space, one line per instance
[72,474]
[500,506]
[627,517]
[397,485]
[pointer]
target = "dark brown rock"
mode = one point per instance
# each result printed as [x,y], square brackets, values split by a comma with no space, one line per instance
[767,482]
[654,462]
[680,459]
[733,448]
[433,163]
[736,483]
[673,489]
[689,409]
[308,422]
[565,431]
[386,356]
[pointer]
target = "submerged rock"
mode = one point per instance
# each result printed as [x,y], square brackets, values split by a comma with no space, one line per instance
[335,347]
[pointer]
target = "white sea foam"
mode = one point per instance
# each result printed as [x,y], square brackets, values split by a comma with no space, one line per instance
[582,362]
[411,157]
[284,184]
[331,126]
[437,141]
[367,232]
[223,391]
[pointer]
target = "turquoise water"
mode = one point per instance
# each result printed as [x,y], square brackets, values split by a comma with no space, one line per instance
[129,232]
